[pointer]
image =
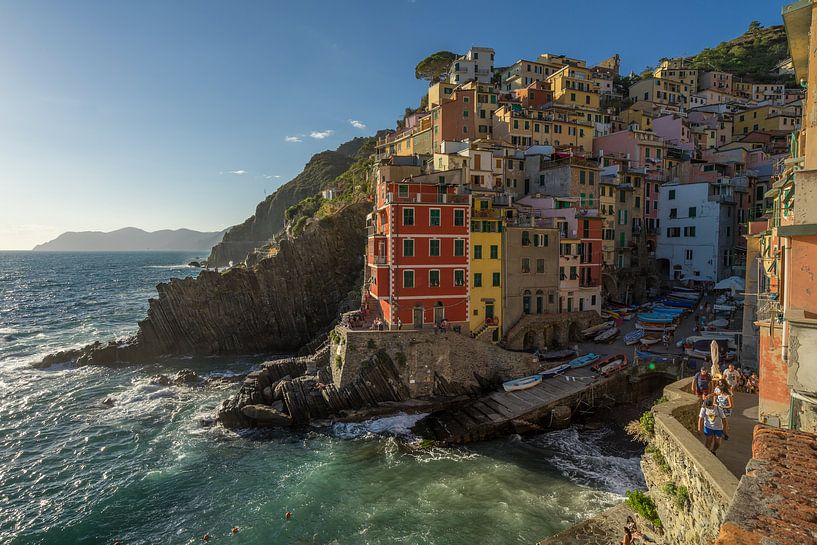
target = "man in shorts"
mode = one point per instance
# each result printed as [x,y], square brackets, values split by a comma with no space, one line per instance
[712,423]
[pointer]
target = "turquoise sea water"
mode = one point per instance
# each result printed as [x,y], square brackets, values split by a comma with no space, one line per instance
[146,471]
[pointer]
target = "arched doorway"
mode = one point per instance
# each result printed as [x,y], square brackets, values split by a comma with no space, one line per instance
[526,302]
[574,332]
[540,301]
[439,312]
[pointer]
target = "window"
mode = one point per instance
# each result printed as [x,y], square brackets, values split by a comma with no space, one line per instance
[540,266]
[459,277]
[434,217]
[622,196]
[582,177]
[495,279]
[593,300]
[434,278]
[477,280]
[671,195]
[494,251]
[591,178]
[693,211]
[402,191]
[673,232]
[525,264]
[525,238]
[562,273]
[673,213]
[477,251]
[459,247]
[573,273]
[408,248]
[408,216]
[689,255]
[459,217]
[408,279]
[689,231]
[637,202]
[434,247]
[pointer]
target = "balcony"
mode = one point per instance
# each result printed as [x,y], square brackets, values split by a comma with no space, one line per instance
[724,199]
[379,259]
[427,198]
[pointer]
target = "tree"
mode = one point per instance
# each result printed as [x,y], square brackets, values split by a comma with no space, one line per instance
[433,67]
[754,27]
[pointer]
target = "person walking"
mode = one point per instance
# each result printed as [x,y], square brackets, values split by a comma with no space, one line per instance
[723,397]
[702,383]
[732,377]
[713,424]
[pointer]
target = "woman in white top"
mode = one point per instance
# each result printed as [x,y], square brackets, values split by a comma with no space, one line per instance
[723,397]
[712,422]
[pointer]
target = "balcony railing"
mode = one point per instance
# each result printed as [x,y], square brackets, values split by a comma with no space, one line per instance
[427,198]
[379,259]
[726,199]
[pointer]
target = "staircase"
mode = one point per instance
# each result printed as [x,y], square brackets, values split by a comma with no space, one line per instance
[485,332]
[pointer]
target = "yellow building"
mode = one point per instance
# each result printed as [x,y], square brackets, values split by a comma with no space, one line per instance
[662,91]
[410,141]
[554,126]
[485,264]
[678,70]
[768,118]
[574,85]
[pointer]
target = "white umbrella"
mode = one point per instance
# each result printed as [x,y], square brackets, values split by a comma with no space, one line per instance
[734,283]
[715,355]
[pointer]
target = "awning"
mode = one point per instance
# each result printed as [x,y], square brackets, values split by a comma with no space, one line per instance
[771,194]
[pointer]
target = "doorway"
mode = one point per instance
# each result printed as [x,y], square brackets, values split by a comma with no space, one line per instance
[439,312]
[418,317]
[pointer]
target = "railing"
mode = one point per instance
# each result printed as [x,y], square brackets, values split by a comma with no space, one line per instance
[379,259]
[428,198]
[728,199]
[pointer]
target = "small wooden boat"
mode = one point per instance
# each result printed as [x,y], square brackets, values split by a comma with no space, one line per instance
[647,340]
[655,327]
[597,328]
[634,336]
[522,383]
[656,318]
[581,361]
[614,366]
[556,355]
[555,371]
[605,361]
[606,335]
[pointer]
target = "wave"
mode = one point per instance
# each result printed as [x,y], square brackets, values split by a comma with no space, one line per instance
[592,458]
[398,425]
[170,267]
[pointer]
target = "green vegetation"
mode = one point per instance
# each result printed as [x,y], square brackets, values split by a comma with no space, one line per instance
[642,429]
[338,362]
[426,444]
[659,459]
[647,422]
[433,67]
[355,185]
[334,336]
[750,56]
[662,399]
[643,505]
[679,494]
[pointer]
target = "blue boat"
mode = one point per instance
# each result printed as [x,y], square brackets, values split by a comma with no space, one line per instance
[555,371]
[581,361]
[678,303]
[634,336]
[522,383]
[654,318]
[675,311]
[652,356]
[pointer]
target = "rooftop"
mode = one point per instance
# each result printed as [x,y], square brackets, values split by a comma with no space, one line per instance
[776,501]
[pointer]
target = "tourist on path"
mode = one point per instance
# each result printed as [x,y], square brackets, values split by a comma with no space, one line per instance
[712,422]
[702,383]
[732,377]
[723,397]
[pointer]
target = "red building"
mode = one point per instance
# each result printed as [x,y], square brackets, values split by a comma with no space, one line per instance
[418,250]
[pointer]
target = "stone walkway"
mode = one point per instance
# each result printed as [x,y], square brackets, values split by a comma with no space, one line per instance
[736,452]
[606,528]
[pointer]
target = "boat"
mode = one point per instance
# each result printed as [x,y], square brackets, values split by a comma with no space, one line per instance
[610,314]
[656,318]
[555,371]
[650,339]
[669,311]
[616,364]
[685,295]
[724,308]
[556,355]
[633,336]
[522,383]
[597,328]
[581,361]
[648,326]
[720,322]
[653,357]
[606,335]
[607,360]
[678,303]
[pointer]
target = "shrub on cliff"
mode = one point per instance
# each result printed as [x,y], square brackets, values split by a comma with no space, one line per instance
[642,504]
[433,67]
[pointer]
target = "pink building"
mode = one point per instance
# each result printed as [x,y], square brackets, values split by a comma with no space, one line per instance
[674,129]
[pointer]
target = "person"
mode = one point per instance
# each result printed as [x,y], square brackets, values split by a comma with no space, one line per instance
[751,384]
[723,397]
[732,377]
[399,324]
[628,537]
[713,424]
[701,383]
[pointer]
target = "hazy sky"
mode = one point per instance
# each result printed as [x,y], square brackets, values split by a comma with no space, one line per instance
[167,114]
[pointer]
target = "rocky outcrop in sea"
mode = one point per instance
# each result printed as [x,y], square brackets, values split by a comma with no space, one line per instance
[277,305]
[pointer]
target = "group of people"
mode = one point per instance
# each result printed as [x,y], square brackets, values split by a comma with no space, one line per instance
[717,401]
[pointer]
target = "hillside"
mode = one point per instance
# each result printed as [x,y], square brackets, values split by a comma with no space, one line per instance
[752,55]
[258,229]
[131,239]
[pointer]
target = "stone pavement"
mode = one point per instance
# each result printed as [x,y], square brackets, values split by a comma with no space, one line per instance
[606,528]
[736,452]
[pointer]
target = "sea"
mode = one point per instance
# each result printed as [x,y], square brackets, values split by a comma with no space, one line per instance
[148,469]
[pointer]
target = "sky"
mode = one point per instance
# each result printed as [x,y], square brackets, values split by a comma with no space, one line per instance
[186,113]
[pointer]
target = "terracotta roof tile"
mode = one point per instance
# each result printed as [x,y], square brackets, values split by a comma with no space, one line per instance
[776,501]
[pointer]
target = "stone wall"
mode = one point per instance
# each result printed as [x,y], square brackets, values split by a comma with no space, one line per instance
[429,364]
[711,486]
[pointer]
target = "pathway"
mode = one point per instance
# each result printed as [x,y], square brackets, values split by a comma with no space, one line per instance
[736,452]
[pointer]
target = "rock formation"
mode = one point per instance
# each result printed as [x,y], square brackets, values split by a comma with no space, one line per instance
[259,229]
[279,304]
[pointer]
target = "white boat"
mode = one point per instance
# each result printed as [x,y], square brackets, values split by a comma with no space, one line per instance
[634,336]
[522,383]
[597,328]
[655,327]
[606,335]
[647,341]
[720,322]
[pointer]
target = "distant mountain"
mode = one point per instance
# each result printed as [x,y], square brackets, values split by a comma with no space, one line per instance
[131,239]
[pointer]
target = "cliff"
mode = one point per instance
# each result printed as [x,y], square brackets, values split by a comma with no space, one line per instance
[268,220]
[279,304]
[131,239]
